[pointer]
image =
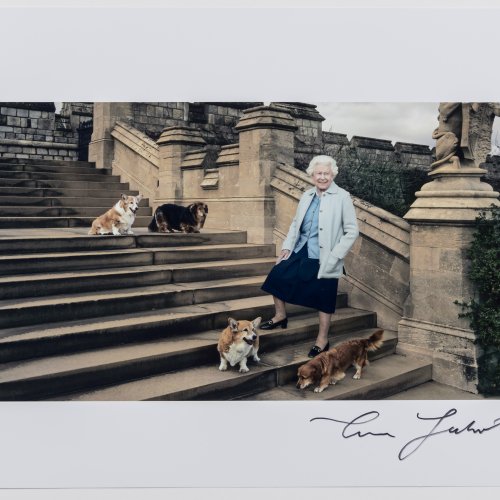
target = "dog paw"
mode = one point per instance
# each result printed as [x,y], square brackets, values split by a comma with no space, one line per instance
[319,389]
[244,369]
[222,368]
[256,358]
[356,376]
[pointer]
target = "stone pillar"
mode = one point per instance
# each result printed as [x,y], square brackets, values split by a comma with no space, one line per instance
[309,134]
[106,114]
[442,219]
[266,136]
[174,143]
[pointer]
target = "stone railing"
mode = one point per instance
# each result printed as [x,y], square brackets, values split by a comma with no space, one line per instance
[136,159]
[377,266]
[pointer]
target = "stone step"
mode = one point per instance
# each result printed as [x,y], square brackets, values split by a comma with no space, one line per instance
[204,381]
[58,211]
[26,161]
[22,241]
[102,184]
[78,335]
[58,308]
[58,222]
[40,285]
[58,176]
[111,192]
[381,379]
[63,201]
[48,262]
[42,378]
[59,169]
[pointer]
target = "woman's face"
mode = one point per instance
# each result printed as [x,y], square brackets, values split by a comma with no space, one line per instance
[322,177]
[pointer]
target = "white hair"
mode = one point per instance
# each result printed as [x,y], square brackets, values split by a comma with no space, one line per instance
[323,160]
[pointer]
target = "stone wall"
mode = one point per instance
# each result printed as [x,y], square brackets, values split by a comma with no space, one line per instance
[214,120]
[152,117]
[29,131]
[376,151]
[77,113]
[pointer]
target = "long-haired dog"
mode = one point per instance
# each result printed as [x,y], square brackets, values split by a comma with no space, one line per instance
[238,341]
[188,219]
[119,219]
[329,367]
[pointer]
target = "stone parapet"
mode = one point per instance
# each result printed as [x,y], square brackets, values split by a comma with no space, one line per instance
[452,350]
[48,107]
[406,147]
[136,159]
[137,141]
[371,143]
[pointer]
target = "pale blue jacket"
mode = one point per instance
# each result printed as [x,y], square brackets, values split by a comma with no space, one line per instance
[338,228]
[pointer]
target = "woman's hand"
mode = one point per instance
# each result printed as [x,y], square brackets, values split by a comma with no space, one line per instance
[283,255]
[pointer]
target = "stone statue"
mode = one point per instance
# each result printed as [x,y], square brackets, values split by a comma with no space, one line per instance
[464,131]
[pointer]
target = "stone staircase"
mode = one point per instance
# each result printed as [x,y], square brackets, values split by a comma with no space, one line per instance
[138,317]
[44,193]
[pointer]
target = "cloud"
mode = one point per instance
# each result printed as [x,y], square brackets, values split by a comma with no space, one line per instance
[403,122]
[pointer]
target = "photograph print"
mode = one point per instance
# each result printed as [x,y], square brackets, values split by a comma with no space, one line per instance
[270,251]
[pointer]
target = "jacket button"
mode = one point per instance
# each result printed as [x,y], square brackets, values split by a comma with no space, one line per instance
[320,247]
[321,229]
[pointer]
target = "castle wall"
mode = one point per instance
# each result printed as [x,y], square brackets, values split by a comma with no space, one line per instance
[31,131]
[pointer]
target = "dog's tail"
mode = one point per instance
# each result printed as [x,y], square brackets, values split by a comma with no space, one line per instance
[375,341]
[153,226]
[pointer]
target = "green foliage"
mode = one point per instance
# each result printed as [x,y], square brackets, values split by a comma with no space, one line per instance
[484,313]
[386,184]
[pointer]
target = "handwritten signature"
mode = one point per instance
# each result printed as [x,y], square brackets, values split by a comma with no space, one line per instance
[350,429]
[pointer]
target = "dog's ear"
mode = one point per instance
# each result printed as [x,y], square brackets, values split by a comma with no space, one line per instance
[256,322]
[124,197]
[139,198]
[233,324]
[192,208]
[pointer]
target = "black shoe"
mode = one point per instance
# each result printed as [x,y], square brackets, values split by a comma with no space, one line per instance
[271,325]
[317,350]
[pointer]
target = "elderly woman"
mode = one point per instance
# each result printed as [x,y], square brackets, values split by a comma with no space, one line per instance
[312,256]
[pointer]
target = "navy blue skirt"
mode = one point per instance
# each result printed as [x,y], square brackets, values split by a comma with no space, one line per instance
[295,281]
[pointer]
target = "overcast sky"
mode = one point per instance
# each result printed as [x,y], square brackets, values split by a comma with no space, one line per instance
[403,122]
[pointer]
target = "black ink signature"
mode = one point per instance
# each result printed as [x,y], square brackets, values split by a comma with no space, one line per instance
[414,444]
[373,415]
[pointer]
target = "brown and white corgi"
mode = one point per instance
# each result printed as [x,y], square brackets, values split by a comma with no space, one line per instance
[119,219]
[237,342]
